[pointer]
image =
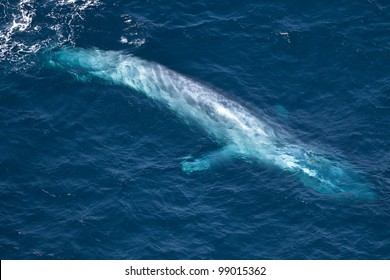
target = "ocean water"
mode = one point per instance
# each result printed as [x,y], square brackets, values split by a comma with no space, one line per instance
[92,170]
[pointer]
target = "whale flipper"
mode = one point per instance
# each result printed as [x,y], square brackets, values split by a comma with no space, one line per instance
[212,159]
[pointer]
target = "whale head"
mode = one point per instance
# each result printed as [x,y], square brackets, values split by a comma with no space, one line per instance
[84,63]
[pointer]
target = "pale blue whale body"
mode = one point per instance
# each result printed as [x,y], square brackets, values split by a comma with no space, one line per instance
[232,126]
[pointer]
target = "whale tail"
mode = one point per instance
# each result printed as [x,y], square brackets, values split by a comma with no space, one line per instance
[334,178]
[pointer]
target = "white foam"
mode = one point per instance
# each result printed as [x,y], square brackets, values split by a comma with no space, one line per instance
[21,33]
[80,4]
[289,161]
[286,35]
[21,21]
[133,31]
[309,172]
[124,40]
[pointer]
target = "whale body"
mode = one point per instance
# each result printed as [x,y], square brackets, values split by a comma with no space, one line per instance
[239,133]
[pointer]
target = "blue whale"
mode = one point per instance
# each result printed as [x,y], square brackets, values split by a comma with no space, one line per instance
[239,133]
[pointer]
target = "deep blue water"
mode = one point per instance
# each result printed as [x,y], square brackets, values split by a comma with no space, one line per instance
[90,170]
